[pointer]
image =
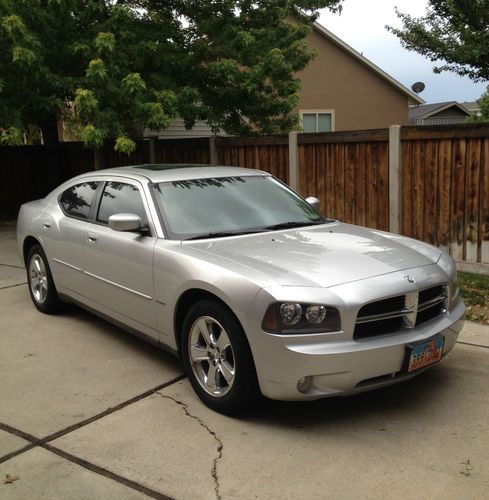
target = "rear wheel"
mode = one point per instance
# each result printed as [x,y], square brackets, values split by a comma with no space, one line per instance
[218,359]
[41,285]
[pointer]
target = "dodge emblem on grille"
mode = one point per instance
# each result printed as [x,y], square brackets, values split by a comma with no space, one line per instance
[410,279]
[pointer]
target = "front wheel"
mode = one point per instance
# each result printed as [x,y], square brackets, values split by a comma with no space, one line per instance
[41,285]
[218,359]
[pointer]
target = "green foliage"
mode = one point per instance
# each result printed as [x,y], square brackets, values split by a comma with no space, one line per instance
[120,67]
[96,70]
[484,106]
[474,291]
[93,136]
[11,136]
[124,144]
[454,31]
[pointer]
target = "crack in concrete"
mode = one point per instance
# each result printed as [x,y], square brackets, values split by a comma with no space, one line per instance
[11,265]
[220,446]
[13,286]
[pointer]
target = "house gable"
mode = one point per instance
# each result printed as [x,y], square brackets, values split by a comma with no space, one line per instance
[361,94]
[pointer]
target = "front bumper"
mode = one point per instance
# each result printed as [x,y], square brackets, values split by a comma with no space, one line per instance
[345,366]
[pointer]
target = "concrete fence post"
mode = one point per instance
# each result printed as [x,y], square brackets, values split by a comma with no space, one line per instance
[213,153]
[293,161]
[395,179]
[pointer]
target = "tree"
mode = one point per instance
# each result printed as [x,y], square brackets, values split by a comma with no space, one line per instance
[455,31]
[124,65]
[484,106]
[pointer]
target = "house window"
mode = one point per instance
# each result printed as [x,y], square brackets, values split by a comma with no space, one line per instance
[317,121]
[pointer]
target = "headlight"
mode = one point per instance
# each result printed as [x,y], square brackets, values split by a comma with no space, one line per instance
[294,318]
[290,313]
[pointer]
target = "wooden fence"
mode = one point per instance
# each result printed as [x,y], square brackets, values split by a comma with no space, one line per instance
[431,183]
[349,173]
[445,189]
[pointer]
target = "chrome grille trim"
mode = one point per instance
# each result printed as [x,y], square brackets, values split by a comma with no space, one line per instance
[430,303]
[420,307]
[380,317]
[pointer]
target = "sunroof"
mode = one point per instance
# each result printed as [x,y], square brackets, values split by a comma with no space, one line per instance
[168,166]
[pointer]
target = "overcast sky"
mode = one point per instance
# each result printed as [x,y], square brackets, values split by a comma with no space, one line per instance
[362,26]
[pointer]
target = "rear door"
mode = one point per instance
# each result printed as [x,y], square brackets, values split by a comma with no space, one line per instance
[64,235]
[119,265]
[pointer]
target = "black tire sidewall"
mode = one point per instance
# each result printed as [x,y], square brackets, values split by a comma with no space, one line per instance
[244,390]
[52,302]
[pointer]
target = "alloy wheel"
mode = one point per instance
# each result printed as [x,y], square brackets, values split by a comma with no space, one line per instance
[211,356]
[38,280]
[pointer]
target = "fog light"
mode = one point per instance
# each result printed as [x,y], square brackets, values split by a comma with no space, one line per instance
[304,384]
[290,313]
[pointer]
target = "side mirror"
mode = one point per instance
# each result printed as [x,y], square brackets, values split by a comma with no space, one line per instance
[126,222]
[314,202]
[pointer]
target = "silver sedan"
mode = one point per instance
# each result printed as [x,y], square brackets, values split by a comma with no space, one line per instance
[244,279]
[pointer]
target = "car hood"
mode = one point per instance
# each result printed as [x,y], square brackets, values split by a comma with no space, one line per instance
[324,256]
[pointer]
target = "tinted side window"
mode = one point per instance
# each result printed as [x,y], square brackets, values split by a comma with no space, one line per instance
[77,200]
[120,198]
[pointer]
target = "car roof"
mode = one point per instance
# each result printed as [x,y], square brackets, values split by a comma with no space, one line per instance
[177,171]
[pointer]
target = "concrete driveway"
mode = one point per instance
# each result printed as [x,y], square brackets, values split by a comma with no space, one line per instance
[87,411]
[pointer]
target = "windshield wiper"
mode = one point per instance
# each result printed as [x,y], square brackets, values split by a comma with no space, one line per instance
[288,225]
[220,234]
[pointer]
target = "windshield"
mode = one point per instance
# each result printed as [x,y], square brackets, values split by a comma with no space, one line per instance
[224,206]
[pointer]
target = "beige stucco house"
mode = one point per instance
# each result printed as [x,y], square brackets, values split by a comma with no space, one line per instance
[341,90]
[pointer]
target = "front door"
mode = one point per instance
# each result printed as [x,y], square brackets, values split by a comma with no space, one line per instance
[119,265]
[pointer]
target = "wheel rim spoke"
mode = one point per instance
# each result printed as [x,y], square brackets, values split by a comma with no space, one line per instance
[227,371]
[211,378]
[206,331]
[198,353]
[223,341]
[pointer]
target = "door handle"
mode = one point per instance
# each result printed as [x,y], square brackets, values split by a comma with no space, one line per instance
[46,225]
[92,238]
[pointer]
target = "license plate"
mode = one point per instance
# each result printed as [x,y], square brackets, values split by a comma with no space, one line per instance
[424,354]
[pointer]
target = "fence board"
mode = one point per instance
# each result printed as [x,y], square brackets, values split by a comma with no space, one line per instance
[444,182]
[350,181]
[458,199]
[194,150]
[484,204]
[371,161]
[431,193]
[383,188]
[472,198]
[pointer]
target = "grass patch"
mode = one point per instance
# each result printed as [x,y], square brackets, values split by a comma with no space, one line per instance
[474,290]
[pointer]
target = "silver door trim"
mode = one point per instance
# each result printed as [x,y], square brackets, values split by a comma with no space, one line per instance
[71,266]
[130,290]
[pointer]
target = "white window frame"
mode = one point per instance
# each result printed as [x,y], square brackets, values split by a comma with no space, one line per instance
[331,112]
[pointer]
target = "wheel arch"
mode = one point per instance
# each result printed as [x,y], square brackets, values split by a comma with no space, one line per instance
[186,300]
[28,243]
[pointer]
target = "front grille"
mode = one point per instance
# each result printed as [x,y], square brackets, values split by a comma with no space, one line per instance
[431,303]
[391,315]
[380,317]
[379,327]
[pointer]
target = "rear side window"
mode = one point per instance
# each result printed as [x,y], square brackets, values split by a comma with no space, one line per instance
[77,200]
[119,197]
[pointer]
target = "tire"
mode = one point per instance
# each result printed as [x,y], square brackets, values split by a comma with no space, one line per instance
[40,281]
[217,358]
